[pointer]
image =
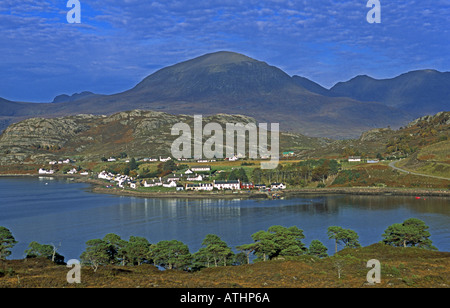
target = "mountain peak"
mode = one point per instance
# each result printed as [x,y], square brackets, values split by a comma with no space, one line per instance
[222,57]
[63,98]
[215,59]
[224,74]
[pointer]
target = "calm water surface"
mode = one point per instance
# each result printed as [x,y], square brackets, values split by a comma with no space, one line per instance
[63,213]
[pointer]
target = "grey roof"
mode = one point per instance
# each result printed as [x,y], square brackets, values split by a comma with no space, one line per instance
[227,182]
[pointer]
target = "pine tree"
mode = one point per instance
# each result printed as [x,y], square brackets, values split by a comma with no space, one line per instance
[412,232]
[316,248]
[7,242]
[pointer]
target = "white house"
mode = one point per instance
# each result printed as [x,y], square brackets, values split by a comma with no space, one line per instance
[120,182]
[233,185]
[105,176]
[189,171]
[171,184]
[201,168]
[84,173]
[111,159]
[200,187]
[233,158]
[197,178]
[45,171]
[153,184]
[164,159]
[73,171]
[277,186]
[354,159]
[174,178]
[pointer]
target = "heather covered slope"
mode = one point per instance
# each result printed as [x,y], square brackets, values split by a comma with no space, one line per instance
[432,160]
[400,268]
[387,142]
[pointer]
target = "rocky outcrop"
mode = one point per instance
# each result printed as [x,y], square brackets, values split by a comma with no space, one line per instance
[441,118]
[139,133]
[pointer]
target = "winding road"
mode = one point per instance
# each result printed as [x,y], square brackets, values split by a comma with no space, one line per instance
[392,165]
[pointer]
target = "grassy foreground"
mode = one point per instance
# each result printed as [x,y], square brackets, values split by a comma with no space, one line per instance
[400,268]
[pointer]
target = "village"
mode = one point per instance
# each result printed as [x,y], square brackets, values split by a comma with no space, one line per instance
[197,177]
[234,174]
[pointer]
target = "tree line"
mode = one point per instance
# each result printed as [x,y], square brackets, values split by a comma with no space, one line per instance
[295,174]
[276,241]
[300,173]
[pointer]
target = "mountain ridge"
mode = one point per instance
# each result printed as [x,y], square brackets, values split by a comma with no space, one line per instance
[420,92]
[232,83]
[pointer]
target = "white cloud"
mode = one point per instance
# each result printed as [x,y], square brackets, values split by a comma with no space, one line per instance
[130,38]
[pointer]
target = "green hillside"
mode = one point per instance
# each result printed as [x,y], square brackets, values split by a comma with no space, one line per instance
[432,160]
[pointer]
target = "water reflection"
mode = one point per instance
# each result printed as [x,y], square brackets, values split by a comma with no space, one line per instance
[69,214]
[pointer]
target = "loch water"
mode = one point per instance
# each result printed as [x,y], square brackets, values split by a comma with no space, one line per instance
[67,214]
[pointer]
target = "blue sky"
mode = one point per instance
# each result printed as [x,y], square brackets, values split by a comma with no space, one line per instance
[119,42]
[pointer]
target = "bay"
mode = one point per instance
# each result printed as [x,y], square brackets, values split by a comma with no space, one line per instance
[67,214]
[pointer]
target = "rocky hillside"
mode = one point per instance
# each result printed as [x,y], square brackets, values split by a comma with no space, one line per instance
[148,133]
[418,134]
[138,133]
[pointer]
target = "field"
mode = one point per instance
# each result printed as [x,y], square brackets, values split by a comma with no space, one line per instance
[381,175]
[431,160]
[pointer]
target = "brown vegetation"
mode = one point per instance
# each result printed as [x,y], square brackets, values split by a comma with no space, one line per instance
[380,175]
[400,268]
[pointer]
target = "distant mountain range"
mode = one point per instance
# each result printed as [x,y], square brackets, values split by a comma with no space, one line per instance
[227,82]
[77,96]
[418,93]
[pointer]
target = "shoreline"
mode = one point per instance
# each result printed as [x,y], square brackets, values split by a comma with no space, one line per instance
[179,195]
[369,191]
[99,186]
